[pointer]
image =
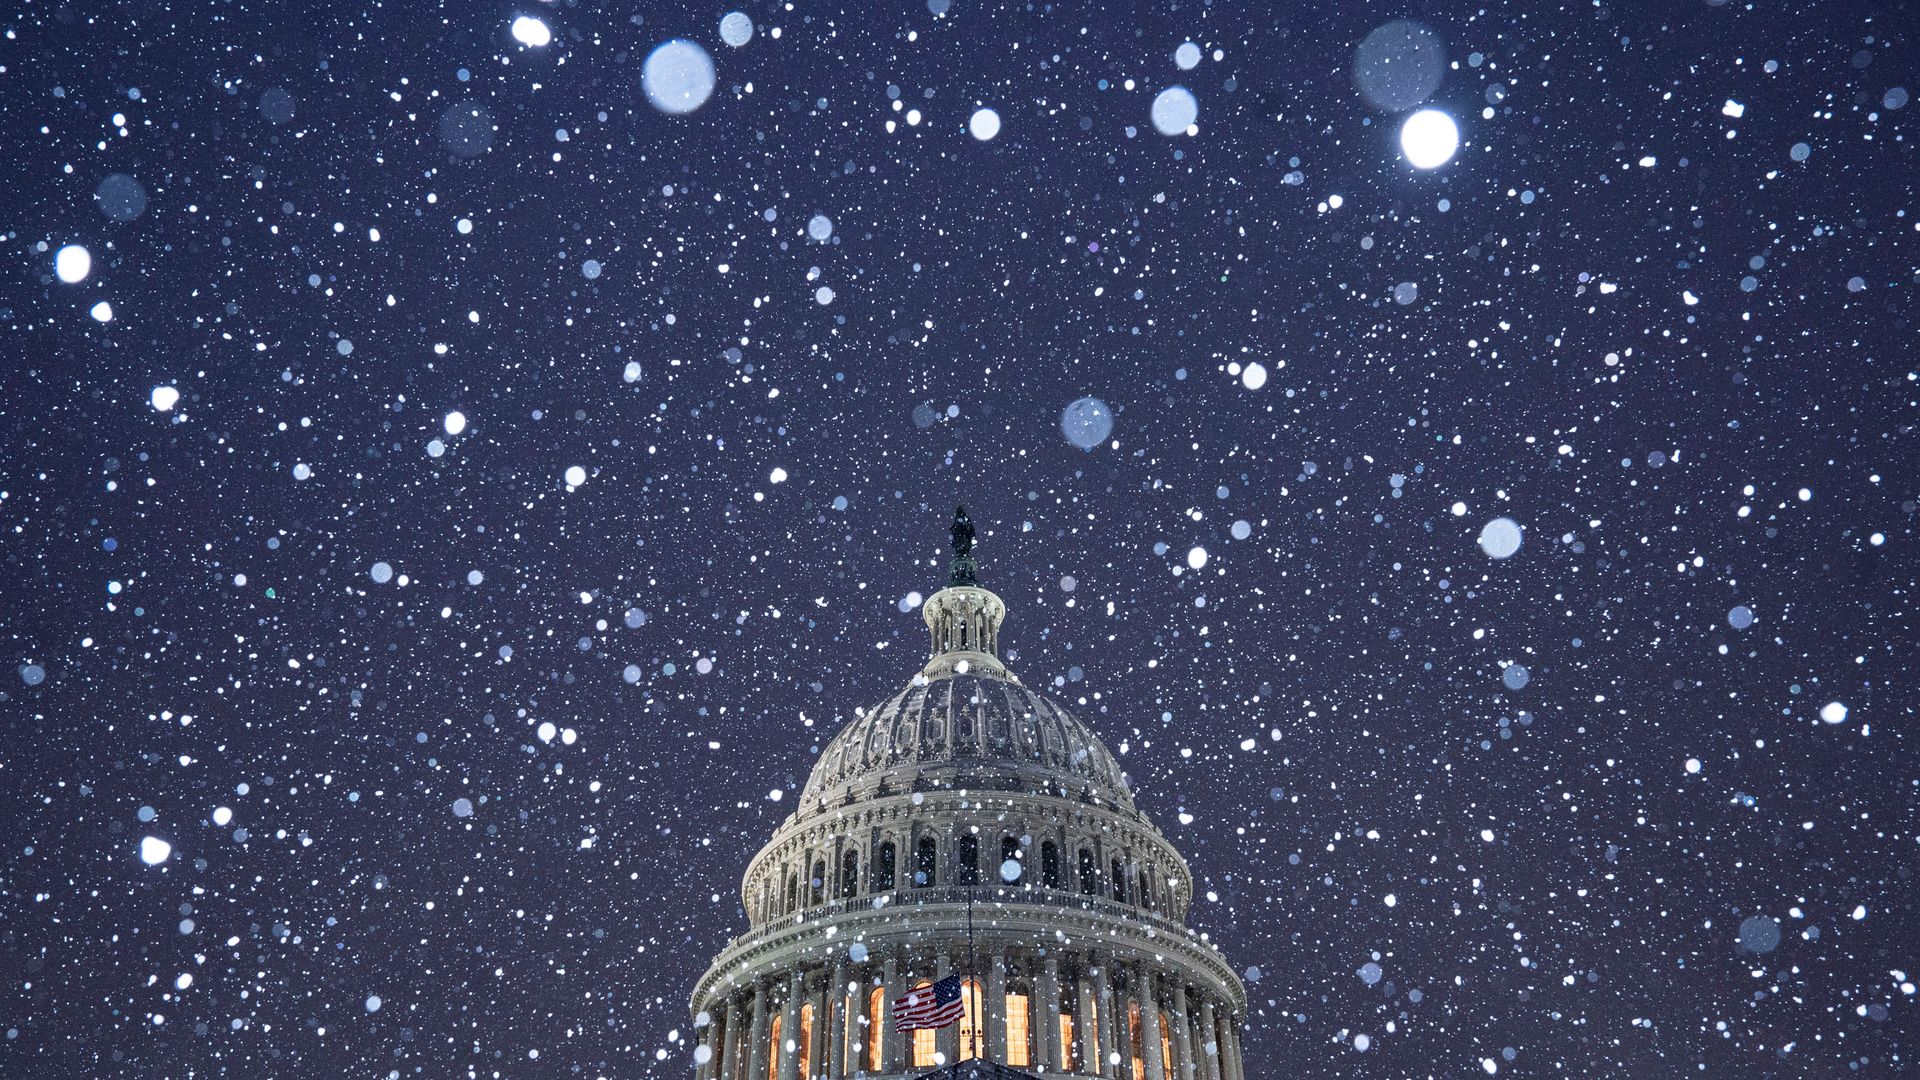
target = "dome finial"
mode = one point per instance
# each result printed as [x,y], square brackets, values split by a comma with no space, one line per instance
[964,568]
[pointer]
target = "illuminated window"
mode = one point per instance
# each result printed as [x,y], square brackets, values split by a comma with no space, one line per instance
[972,1042]
[1018,1054]
[876,1014]
[1093,1029]
[923,1040]
[1068,1049]
[1166,1046]
[806,1040]
[773,1047]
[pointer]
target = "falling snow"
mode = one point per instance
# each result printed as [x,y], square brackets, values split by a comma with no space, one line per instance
[460,471]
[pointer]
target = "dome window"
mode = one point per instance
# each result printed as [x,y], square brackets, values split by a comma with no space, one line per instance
[968,872]
[926,860]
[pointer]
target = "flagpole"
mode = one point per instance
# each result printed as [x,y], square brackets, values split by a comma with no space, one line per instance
[980,1020]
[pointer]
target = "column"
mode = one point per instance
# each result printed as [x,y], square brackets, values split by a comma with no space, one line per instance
[837,1030]
[996,1018]
[730,1038]
[946,1041]
[1047,1031]
[789,1048]
[1150,1026]
[1183,1033]
[1086,1033]
[1209,1042]
[711,1037]
[1109,1029]
[892,1044]
[1226,1045]
[1233,1042]
[816,1068]
[756,1056]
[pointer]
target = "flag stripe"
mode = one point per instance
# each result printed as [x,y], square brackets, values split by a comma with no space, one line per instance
[932,1006]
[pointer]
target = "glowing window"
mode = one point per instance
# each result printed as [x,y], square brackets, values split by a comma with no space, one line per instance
[923,1039]
[972,1041]
[773,1047]
[1072,1052]
[876,1014]
[1018,1053]
[806,1040]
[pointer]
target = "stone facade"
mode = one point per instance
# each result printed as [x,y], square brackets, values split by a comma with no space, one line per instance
[968,786]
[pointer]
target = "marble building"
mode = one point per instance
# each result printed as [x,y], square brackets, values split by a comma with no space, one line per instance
[968,797]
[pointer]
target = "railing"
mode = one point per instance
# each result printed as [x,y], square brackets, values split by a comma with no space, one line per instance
[981,896]
[770,934]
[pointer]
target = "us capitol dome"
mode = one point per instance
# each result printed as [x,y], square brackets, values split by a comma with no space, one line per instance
[968,808]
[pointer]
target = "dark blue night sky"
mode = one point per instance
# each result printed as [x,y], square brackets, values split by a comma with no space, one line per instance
[455,486]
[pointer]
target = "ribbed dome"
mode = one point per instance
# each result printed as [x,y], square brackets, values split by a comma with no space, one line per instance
[966,731]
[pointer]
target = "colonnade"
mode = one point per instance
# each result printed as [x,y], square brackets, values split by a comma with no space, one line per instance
[834,1022]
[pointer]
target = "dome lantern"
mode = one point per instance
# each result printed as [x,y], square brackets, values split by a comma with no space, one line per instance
[964,618]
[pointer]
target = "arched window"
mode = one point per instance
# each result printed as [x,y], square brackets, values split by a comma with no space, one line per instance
[806,1039]
[880,878]
[1049,865]
[973,1041]
[1010,852]
[1019,1050]
[818,882]
[1094,1052]
[849,874]
[773,1046]
[1166,1045]
[1089,876]
[1068,1045]
[1119,881]
[1146,891]
[969,869]
[927,859]
[876,1015]
[924,1039]
[793,894]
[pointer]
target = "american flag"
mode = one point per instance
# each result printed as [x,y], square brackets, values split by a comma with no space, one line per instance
[933,1006]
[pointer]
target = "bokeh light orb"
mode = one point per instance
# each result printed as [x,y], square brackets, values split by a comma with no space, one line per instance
[1175,110]
[1429,138]
[1087,422]
[736,28]
[1500,538]
[531,32]
[72,264]
[677,77]
[1399,65]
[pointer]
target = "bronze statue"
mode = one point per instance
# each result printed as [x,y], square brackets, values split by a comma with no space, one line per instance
[963,569]
[962,532]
